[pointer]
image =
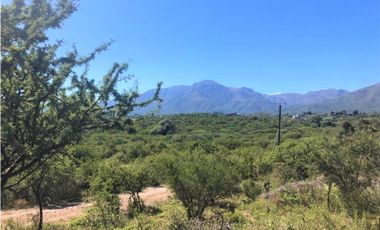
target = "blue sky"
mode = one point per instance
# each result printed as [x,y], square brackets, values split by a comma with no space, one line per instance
[268,45]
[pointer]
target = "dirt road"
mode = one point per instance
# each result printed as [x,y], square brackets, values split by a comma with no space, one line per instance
[150,195]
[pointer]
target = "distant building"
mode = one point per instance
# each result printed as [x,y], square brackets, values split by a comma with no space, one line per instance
[299,117]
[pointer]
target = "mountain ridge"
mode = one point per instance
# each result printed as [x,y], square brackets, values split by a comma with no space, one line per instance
[209,96]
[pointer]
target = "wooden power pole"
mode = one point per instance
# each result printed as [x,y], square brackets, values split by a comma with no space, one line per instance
[278,140]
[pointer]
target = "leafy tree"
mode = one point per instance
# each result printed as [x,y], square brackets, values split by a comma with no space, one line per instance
[105,213]
[38,192]
[61,172]
[48,101]
[164,127]
[368,125]
[251,189]
[316,120]
[353,166]
[109,177]
[136,178]
[295,160]
[105,186]
[200,179]
[347,128]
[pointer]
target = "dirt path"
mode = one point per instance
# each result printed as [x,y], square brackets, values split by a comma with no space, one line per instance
[150,195]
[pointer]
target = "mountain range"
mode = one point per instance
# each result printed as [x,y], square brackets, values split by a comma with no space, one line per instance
[209,96]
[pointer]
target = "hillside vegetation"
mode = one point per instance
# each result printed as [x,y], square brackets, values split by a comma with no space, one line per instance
[71,143]
[225,173]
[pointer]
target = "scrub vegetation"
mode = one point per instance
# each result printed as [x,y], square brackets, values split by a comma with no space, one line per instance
[67,139]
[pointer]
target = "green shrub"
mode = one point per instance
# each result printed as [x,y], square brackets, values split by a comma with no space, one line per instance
[296,160]
[304,196]
[250,189]
[353,166]
[136,178]
[163,128]
[105,186]
[199,179]
[105,213]
[109,178]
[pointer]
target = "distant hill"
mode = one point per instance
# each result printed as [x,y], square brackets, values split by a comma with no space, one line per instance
[310,97]
[366,100]
[209,96]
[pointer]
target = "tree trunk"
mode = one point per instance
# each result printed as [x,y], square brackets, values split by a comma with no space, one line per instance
[38,195]
[41,215]
[138,202]
[328,196]
[4,180]
[190,212]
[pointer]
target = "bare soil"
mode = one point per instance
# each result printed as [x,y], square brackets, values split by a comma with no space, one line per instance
[151,195]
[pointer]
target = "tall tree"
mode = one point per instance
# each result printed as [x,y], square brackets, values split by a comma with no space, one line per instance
[353,165]
[48,101]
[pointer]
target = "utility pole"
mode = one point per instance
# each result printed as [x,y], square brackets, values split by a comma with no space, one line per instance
[278,140]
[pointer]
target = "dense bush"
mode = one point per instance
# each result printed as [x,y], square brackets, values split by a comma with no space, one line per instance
[199,179]
[109,178]
[105,186]
[251,189]
[210,157]
[164,127]
[306,194]
[353,165]
[296,160]
[105,213]
[62,172]
[136,178]
[316,120]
